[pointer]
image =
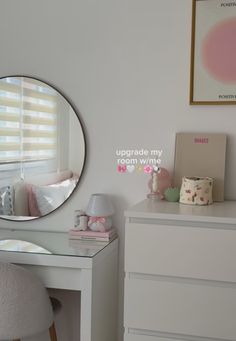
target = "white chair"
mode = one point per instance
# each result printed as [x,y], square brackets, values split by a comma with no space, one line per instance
[25,307]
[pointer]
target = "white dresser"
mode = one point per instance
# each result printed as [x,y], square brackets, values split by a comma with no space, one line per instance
[180,272]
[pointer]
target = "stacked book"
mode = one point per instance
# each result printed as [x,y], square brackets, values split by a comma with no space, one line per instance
[93,235]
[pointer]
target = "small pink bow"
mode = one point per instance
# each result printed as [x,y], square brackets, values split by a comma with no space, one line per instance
[97,219]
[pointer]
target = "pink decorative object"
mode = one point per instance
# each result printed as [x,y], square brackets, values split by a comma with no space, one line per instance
[148,169]
[101,224]
[158,183]
[88,233]
[32,202]
[219,51]
[121,168]
[164,181]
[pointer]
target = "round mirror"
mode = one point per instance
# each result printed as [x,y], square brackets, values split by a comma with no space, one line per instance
[42,148]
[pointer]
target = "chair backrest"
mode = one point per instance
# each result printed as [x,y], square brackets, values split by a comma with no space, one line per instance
[25,308]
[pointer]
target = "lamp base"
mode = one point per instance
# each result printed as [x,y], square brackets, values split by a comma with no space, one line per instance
[100,224]
[153,196]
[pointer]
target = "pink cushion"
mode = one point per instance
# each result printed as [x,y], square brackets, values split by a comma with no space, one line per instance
[32,202]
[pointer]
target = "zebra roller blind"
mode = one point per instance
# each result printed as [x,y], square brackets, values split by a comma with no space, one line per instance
[28,120]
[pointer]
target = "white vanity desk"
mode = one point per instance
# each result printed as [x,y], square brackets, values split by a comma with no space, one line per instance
[90,268]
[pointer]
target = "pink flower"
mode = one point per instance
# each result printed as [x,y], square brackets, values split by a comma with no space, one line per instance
[148,169]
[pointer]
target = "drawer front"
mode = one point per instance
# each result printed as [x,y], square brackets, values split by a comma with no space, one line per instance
[180,308]
[193,252]
[136,337]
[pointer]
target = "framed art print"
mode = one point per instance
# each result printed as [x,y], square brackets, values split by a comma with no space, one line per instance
[213,52]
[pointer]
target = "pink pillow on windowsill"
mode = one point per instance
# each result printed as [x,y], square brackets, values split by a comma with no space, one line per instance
[32,202]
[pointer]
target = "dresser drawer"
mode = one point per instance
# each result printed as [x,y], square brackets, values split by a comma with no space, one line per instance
[181,308]
[135,337]
[180,251]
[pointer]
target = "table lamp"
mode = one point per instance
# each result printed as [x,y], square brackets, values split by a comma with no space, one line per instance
[99,210]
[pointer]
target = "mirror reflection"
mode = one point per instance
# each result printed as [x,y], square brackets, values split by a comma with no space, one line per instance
[16,245]
[42,148]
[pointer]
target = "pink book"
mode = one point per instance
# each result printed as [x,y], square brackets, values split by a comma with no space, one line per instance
[89,233]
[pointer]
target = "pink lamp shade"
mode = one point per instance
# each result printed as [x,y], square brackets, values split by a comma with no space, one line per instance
[99,206]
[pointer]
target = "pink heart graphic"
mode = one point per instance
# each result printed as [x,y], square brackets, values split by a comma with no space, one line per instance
[121,168]
[148,169]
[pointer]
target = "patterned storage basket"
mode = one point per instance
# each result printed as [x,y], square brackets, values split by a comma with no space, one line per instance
[196,191]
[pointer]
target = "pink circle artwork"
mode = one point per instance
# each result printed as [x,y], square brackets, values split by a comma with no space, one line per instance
[219,51]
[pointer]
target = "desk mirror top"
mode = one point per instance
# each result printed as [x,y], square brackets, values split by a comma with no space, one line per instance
[42,148]
[48,243]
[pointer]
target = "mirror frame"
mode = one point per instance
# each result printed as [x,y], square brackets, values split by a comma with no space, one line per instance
[85,148]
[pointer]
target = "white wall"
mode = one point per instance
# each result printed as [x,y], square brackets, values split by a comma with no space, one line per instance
[125,66]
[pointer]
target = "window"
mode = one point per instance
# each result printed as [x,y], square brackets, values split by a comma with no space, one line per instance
[28,123]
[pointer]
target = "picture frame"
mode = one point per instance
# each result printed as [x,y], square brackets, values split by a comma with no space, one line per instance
[213,52]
